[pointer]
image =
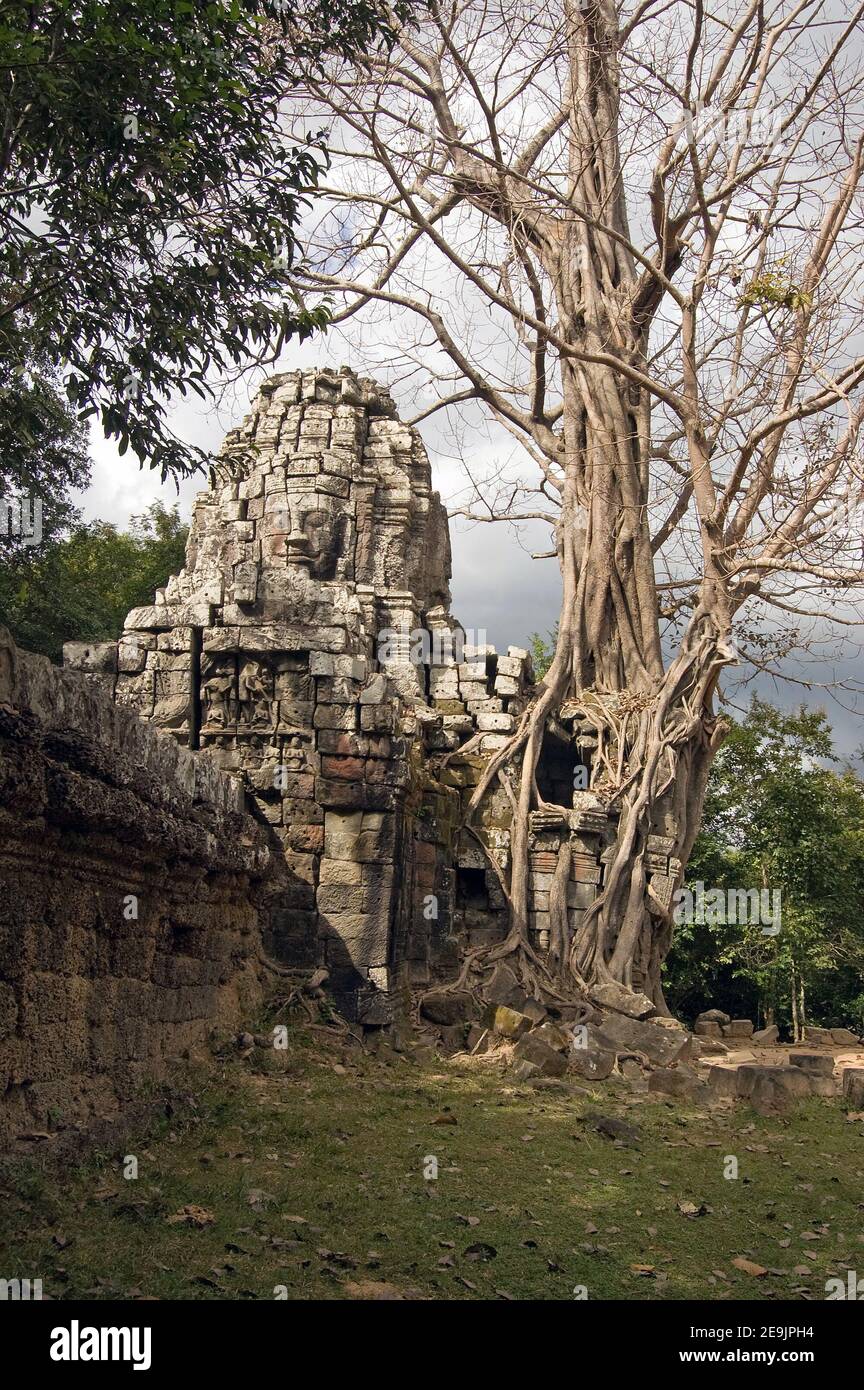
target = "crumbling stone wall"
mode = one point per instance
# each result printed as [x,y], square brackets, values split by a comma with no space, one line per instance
[128,879]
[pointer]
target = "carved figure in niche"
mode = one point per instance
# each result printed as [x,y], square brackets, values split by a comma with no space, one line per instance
[395,563]
[313,528]
[254,691]
[217,690]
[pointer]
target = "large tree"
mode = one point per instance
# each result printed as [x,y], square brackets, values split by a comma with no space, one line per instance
[149,199]
[632,234]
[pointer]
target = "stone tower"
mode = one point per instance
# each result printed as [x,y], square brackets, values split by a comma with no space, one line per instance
[308,645]
[319,534]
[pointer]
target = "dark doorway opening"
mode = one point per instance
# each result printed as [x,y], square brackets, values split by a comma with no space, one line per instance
[557,769]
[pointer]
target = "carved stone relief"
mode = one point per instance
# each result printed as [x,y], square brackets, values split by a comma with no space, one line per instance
[236,694]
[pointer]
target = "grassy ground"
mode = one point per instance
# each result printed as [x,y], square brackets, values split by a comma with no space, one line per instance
[312,1181]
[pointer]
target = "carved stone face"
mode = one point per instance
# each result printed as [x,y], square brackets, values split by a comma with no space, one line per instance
[311,532]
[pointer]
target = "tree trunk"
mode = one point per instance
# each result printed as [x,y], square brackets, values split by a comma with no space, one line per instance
[655,728]
[801,1014]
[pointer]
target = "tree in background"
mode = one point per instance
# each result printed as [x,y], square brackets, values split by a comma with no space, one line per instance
[777,817]
[149,199]
[542,651]
[81,586]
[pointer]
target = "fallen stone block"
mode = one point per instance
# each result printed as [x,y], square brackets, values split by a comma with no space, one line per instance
[673,1024]
[853,1086]
[507,1023]
[618,1131]
[594,1061]
[553,1036]
[448,1008]
[738,1028]
[453,1037]
[823,1086]
[814,1063]
[548,1060]
[818,1035]
[673,1081]
[524,1071]
[534,1010]
[632,1072]
[723,1082]
[713,1016]
[738,1056]
[661,1045]
[844,1037]
[707,1028]
[773,1089]
[592,1066]
[768,1035]
[624,1001]
[773,1086]
[745,1076]
[503,987]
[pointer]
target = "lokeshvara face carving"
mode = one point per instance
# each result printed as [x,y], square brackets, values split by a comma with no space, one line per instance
[309,531]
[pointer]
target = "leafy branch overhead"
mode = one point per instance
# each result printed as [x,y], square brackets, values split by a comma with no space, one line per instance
[149,198]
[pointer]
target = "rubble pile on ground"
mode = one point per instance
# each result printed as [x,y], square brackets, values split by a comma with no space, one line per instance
[722,1059]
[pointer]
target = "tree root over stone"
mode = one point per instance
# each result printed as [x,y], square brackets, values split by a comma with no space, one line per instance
[655,744]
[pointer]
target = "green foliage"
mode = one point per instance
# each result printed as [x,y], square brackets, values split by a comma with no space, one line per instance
[82,586]
[149,197]
[542,651]
[43,448]
[773,289]
[776,817]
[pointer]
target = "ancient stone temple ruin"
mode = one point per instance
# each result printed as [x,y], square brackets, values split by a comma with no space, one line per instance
[308,644]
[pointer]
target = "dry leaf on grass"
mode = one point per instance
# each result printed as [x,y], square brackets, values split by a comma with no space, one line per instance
[691,1209]
[191,1215]
[373,1289]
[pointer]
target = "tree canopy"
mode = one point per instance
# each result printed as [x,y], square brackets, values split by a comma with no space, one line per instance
[149,198]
